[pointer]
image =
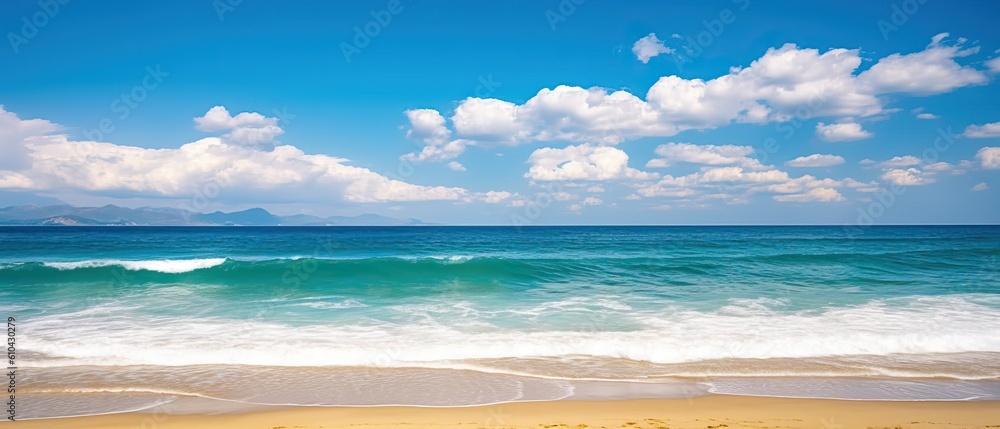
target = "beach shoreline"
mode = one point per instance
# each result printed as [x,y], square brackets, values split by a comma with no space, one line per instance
[712,411]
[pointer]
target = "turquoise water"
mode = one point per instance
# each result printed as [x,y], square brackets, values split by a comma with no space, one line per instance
[553,303]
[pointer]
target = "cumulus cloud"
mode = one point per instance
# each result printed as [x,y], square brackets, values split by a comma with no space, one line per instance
[921,114]
[909,170]
[989,157]
[730,174]
[592,201]
[450,150]
[494,197]
[776,87]
[816,160]
[428,126]
[931,71]
[596,189]
[862,186]
[456,166]
[14,133]
[981,186]
[842,132]
[908,177]
[649,47]
[901,161]
[982,131]
[277,174]
[818,194]
[582,162]
[700,154]
[994,65]
[245,129]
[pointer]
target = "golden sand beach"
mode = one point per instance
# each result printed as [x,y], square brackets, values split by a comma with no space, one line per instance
[708,412]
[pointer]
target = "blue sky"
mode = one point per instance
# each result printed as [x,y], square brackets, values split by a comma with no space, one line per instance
[523,112]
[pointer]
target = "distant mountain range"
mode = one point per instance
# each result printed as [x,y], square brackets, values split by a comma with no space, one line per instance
[111,215]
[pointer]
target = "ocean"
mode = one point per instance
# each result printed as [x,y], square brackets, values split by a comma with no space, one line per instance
[113,319]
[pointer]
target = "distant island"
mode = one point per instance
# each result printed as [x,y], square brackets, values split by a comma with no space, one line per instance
[111,215]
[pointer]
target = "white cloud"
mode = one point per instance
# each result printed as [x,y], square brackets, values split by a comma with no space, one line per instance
[908,177]
[982,186]
[592,201]
[734,177]
[450,150]
[488,119]
[457,166]
[561,196]
[595,189]
[699,154]
[901,161]
[428,126]
[818,194]
[731,176]
[582,162]
[649,47]
[862,186]
[942,167]
[816,160]
[14,132]
[931,71]
[927,116]
[494,197]
[841,132]
[994,65]
[982,131]
[575,208]
[800,184]
[245,129]
[280,174]
[989,157]
[777,87]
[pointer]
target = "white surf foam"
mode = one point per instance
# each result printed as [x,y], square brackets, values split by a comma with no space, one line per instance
[170,266]
[924,325]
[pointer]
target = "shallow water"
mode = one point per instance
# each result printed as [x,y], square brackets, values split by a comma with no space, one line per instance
[501,312]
